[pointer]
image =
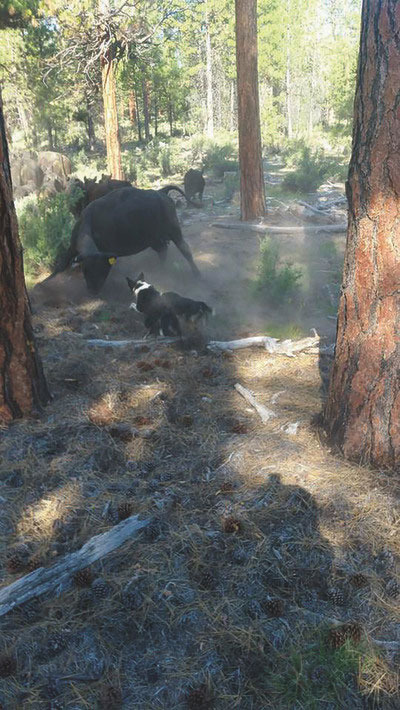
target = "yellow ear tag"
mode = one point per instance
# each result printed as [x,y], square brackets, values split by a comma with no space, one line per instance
[112,260]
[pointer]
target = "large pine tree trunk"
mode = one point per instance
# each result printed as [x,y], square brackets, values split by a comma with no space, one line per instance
[209,80]
[132,108]
[288,78]
[362,414]
[22,383]
[113,146]
[232,107]
[91,133]
[146,116]
[138,119]
[250,156]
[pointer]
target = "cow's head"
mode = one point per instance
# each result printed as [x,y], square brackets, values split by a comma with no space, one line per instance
[95,268]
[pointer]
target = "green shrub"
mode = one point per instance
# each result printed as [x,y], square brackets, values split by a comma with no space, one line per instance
[219,158]
[165,161]
[129,166]
[231,185]
[312,169]
[277,284]
[45,226]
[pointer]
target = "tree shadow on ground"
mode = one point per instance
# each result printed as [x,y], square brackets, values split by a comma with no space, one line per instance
[220,596]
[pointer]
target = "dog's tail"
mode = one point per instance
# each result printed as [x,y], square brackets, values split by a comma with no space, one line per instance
[206,310]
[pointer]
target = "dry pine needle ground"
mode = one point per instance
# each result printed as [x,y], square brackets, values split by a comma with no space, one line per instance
[257,536]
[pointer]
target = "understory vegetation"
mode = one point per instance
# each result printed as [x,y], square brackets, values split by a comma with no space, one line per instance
[45,225]
[278,283]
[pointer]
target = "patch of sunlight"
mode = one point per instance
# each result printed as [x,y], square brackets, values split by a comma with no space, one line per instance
[38,521]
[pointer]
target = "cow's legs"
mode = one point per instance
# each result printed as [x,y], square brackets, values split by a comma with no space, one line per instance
[184,248]
[162,254]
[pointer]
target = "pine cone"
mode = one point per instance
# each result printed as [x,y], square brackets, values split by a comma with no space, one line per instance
[110,698]
[239,556]
[57,642]
[154,530]
[30,610]
[84,577]
[125,510]
[101,589]
[207,580]
[338,636]
[255,608]
[274,607]
[226,487]
[198,698]
[17,559]
[319,675]
[34,563]
[336,596]
[132,599]
[8,665]
[239,428]
[354,631]
[393,588]
[232,525]
[358,580]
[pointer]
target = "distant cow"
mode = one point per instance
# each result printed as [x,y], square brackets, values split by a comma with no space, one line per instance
[88,190]
[194,183]
[122,223]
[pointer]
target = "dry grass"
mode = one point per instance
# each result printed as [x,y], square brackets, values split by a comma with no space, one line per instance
[222,600]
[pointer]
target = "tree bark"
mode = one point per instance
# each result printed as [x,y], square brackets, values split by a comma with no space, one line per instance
[113,145]
[23,386]
[232,107]
[139,124]
[171,118]
[252,195]
[289,107]
[90,126]
[50,135]
[209,80]
[155,115]
[362,414]
[132,108]
[146,118]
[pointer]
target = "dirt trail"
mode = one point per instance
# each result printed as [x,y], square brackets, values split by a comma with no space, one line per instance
[228,261]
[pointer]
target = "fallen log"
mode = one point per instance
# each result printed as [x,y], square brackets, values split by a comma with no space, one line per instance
[316,210]
[273,229]
[271,345]
[264,413]
[49,579]
[97,342]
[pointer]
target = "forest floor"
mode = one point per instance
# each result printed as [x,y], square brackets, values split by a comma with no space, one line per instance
[260,540]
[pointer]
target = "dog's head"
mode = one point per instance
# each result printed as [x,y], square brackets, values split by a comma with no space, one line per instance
[137,285]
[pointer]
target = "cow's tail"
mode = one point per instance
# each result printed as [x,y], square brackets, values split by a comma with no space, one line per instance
[169,188]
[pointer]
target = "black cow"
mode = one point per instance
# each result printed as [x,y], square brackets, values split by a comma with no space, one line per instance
[194,183]
[122,223]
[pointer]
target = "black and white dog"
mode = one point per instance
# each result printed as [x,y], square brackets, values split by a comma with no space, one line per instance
[162,311]
[191,311]
[159,317]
